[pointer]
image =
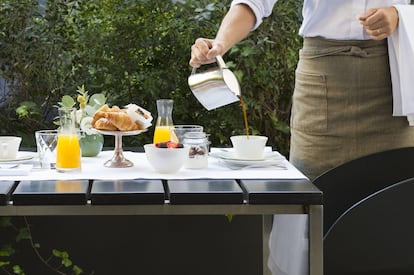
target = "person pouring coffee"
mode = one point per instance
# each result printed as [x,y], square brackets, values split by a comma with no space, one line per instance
[342,101]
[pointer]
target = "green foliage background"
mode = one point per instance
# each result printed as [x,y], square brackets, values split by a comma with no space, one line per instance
[138,51]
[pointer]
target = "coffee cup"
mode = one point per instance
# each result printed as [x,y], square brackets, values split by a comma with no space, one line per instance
[9,147]
[249,147]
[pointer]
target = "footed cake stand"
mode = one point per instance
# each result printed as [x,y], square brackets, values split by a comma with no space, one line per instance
[118,160]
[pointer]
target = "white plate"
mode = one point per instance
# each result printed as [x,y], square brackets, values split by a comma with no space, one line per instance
[230,155]
[120,133]
[271,159]
[21,157]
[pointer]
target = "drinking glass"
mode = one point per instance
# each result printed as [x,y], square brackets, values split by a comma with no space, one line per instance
[46,141]
[68,156]
[180,130]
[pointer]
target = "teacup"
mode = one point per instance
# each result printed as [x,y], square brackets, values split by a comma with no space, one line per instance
[249,147]
[9,146]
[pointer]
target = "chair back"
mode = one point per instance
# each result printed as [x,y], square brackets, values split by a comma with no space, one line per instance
[353,181]
[374,236]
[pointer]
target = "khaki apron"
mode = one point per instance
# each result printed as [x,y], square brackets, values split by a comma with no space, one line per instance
[342,105]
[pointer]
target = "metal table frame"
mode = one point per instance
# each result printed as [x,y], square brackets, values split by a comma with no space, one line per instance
[315,213]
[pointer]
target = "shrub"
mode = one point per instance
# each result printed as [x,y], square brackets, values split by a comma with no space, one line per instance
[138,51]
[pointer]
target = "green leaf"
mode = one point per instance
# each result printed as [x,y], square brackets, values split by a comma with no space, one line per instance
[5,222]
[229,217]
[23,234]
[18,270]
[6,250]
[66,262]
[67,102]
[77,270]
[57,253]
[4,263]
[97,100]
[27,108]
[64,256]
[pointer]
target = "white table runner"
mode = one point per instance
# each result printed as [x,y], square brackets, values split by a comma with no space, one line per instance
[93,168]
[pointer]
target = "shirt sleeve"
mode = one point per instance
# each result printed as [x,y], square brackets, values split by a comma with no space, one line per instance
[260,8]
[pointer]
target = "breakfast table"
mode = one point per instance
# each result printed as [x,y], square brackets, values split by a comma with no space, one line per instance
[96,190]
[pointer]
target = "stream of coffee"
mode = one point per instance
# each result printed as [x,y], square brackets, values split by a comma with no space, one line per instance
[246,124]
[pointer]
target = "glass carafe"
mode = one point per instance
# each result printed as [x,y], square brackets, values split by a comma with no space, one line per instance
[68,154]
[164,126]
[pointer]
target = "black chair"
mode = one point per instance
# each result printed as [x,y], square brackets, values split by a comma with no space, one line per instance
[374,236]
[348,183]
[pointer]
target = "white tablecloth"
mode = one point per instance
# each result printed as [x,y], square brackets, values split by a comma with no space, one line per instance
[93,168]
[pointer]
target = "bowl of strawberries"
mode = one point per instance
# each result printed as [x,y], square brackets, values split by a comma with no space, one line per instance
[166,157]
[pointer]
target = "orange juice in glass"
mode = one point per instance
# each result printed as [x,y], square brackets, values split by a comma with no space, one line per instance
[162,133]
[68,154]
[164,125]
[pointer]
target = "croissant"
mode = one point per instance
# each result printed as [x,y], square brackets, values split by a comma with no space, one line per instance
[98,115]
[104,124]
[122,121]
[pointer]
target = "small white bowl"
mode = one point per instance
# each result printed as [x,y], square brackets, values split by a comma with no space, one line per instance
[249,147]
[166,160]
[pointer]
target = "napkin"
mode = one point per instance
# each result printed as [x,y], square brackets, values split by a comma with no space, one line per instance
[401,54]
[19,170]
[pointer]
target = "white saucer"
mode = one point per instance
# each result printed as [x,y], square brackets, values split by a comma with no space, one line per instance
[230,155]
[270,159]
[21,157]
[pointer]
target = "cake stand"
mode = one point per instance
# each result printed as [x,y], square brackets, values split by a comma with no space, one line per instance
[118,160]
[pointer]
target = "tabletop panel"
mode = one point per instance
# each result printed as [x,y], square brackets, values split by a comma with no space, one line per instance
[157,191]
[50,192]
[205,191]
[299,191]
[5,190]
[138,191]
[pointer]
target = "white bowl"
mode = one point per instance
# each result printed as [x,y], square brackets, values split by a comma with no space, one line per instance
[249,147]
[166,160]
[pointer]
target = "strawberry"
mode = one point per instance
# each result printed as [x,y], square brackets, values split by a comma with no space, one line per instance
[161,145]
[169,144]
[172,144]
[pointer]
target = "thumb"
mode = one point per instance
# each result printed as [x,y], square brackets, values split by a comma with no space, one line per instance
[216,49]
[367,14]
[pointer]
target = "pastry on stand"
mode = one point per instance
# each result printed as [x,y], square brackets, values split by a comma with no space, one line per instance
[129,121]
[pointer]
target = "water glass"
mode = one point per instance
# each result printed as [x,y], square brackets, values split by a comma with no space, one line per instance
[46,141]
[180,130]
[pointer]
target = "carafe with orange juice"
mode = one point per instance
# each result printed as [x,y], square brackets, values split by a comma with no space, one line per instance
[68,153]
[164,125]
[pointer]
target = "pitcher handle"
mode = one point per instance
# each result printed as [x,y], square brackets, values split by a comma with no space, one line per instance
[220,62]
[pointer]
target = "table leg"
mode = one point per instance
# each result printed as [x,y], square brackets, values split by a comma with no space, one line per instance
[267,221]
[315,240]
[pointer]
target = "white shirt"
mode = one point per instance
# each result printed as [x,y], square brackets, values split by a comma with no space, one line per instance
[333,19]
[401,52]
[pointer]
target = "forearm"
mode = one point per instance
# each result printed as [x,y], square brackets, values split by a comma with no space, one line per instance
[236,25]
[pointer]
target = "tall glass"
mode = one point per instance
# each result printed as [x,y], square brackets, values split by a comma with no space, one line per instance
[68,153]
[164,125]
